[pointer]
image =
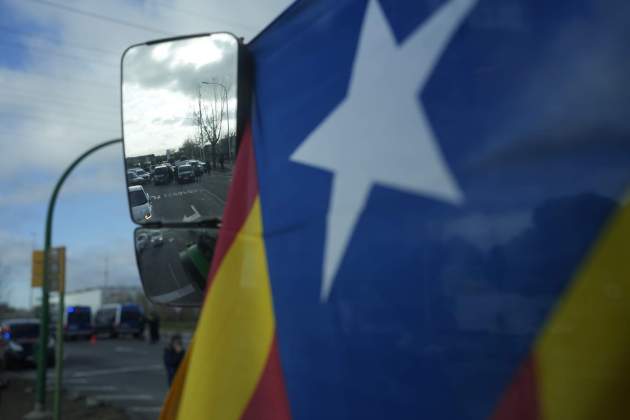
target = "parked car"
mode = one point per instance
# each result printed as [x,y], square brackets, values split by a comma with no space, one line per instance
[18,343]
[142,239]
[116,319]
[162,174]
[157,239]
[141,208]
[198,167]
[146,177]
[134,179]
[185,174]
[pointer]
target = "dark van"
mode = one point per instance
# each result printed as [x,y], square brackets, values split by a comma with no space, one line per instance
[116,319]
[77,322]
[162,175]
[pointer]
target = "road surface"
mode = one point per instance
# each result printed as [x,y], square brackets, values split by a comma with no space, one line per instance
[190,202]
[124,372]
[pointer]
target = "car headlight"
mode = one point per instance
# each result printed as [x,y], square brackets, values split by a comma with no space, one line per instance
[15,346]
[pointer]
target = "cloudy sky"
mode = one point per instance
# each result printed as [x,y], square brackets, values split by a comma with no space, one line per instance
[59,78]
[163,84]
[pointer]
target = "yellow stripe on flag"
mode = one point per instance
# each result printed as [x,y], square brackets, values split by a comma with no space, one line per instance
[234,333]
[583,355]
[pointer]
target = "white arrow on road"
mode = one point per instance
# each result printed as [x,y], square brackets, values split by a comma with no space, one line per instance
[195,215]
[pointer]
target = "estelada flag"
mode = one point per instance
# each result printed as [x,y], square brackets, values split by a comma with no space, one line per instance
[427,218]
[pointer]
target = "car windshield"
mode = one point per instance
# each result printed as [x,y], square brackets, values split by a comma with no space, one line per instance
[162,170]
[185,169]
[137,198]
[25,330]
[131,175]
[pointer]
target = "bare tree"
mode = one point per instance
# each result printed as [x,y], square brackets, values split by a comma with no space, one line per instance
[211,113]
[190,148]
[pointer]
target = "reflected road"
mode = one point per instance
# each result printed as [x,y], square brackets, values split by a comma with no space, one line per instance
[191,202]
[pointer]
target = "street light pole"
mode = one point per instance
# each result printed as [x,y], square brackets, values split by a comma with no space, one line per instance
[42,355]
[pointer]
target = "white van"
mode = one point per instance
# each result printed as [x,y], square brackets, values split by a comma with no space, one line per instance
[116,318]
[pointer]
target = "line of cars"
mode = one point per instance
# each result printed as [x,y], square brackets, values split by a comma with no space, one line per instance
[183,171]
[138,176]
[19,337]
[164,173]
[143,240]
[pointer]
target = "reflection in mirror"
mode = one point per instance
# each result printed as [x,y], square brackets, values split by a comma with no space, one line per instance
[174,263]
[179,126]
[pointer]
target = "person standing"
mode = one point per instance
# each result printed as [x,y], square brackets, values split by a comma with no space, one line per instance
[173,356]
[154,327]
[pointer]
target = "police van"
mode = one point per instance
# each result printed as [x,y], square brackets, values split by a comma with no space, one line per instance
[116,319]
[77,322]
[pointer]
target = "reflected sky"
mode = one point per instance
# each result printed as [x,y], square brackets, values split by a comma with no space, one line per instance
[162,87]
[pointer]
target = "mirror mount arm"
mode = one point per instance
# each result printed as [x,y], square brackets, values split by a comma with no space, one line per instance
[245,89]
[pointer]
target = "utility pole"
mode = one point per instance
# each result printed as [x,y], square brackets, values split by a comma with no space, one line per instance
[44,330]
[106,272]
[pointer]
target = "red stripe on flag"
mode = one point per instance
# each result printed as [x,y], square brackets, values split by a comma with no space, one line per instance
[520,401]
[269,401]
[241,197]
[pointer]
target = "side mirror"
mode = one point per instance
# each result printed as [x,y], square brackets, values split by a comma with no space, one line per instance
[184,104]
[181,117]
[174,263]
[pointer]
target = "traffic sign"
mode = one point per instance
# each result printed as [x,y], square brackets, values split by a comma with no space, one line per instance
[56,268]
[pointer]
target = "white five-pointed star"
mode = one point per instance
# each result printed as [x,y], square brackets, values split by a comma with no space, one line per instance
[379,134]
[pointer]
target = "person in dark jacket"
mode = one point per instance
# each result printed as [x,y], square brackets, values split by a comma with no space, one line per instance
[154,327]
[173,356]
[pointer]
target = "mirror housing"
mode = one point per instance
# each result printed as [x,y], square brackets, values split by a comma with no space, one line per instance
[175,244]
[174,263]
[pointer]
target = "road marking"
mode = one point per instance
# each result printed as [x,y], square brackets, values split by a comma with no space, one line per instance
[173,276]
[216,197]
[146,409]
[193,217]
[125,397]
[72,381]
[94,388]
[52,380]
[175,194]
[67,381]
[121,349]
[103,372]
[174,295]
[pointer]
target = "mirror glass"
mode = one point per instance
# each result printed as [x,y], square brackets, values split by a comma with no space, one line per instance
[179,127]
[174,263]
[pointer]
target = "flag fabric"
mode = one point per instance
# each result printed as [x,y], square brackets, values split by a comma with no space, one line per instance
[428,219]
